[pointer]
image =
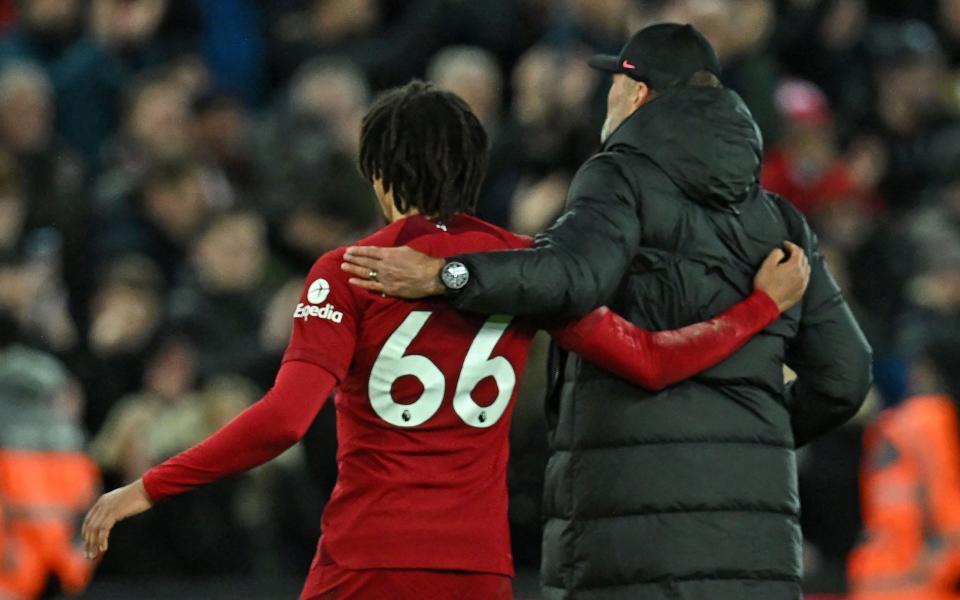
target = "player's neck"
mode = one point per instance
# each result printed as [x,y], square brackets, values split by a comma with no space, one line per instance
[395,215]
[389,207]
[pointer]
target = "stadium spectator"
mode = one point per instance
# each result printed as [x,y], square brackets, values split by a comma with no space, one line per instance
[553,92]
[126,313]
[825,42]
[45,478]
[931,276]
[32,290]
[474,74]
[805,165]
[162,220]
[311,189]
[337,94]
[553,130]
[224,298]
[595,26]
[128,28]
[156,120]
[52,178]
[910,108]
[52,175]
[86,79]
[222,132]
[911,488]
[935,227]
[156,127]
[389,43]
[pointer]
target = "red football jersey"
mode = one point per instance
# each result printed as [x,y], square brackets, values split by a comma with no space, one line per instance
[423,410]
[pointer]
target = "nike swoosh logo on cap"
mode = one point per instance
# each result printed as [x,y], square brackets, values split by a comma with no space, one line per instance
[628,65]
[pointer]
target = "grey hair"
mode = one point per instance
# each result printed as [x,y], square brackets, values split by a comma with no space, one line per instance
[704,79]
[454,61]
[345,73]
[19,75]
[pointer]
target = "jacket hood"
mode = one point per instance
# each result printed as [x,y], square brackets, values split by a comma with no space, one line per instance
[704,139]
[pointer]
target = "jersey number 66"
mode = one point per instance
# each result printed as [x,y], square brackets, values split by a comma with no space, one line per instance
[391,365]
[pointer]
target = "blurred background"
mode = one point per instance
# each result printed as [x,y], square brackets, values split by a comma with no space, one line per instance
[169,169]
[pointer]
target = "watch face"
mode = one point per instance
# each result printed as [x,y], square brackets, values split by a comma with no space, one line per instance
[455,275]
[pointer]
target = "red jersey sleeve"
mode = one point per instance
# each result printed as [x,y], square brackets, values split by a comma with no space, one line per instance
[655,360]
[256,435]
[325,319]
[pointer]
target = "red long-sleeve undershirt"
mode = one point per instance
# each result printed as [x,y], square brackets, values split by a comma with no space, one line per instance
[653,360]
[260,433]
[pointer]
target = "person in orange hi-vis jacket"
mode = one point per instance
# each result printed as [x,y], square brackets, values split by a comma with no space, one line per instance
[46,481]
[911,490]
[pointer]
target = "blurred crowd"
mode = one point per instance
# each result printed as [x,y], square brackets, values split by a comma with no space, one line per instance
[169,169]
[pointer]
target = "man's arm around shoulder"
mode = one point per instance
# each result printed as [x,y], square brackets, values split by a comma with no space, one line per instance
[575,265]
[572,268]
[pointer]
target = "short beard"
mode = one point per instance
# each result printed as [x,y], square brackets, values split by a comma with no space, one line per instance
[608,127]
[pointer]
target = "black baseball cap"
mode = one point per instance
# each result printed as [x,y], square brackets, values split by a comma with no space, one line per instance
[662,56]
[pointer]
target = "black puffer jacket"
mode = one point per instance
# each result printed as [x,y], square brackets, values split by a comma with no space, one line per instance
[690,492]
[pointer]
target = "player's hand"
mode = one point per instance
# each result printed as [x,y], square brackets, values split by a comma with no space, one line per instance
[109,510]
[401,272]
[784,275]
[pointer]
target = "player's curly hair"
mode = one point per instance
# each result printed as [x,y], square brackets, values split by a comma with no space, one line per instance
[427,146]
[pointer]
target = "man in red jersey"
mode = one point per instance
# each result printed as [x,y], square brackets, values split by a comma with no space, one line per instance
[425,392]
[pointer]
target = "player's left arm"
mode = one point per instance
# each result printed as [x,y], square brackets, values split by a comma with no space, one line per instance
[655,360]
[318,356]
[257,435]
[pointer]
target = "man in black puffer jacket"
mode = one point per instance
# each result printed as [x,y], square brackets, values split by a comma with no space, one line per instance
[687,493]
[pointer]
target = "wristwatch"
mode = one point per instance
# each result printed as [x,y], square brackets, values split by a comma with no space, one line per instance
[454,275]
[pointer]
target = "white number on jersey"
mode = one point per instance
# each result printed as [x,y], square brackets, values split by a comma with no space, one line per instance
[392,364]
